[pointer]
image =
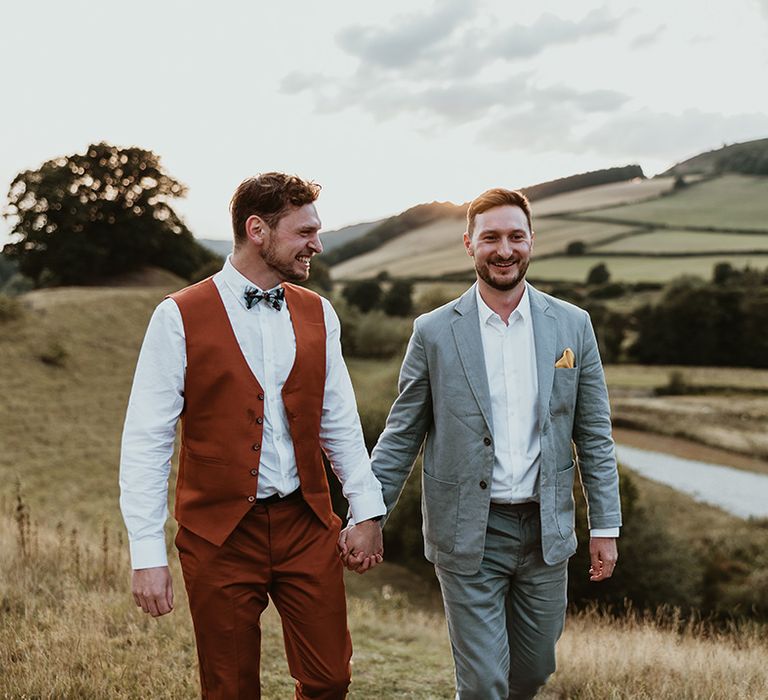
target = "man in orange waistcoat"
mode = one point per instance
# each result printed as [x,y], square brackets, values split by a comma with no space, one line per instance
[252,366]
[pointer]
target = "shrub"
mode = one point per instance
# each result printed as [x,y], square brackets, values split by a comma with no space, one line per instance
[364,294]
[379,335]
[54,354]
[10,309]
[599,274]
[398,299]
[431,298]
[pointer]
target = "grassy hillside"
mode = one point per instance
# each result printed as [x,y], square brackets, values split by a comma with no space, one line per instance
[727,202]
[70,630]
[723,159]
[68,626]
[645,231]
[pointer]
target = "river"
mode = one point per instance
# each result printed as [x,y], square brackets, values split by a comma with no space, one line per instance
[739,492]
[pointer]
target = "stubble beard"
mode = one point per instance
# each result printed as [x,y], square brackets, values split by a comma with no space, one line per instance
[285,270]
[484,273]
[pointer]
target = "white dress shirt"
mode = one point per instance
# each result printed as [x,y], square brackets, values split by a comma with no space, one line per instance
[266,338]
[510,363]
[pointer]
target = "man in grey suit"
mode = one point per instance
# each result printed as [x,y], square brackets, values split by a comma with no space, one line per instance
[503,383]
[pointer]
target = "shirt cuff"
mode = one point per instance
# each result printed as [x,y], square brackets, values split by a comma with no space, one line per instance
[366,506]
[148,553]
[604,532]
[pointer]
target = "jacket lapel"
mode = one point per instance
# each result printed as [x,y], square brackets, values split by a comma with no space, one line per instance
[545,339]
[466,332]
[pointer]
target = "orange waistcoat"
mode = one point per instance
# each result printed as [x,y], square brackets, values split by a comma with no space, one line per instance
[223,415]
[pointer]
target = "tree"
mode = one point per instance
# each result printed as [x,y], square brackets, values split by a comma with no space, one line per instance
[80,218]
[576,248]
[599,274]
[398,301]
[364,294]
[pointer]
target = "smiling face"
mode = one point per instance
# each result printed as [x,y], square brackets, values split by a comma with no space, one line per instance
[501,245]
[289,247]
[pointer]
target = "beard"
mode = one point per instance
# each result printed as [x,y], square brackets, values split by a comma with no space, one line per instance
[285,269]
[503,285]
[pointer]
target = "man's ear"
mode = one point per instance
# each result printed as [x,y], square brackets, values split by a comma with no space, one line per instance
[468,244]
[256,229]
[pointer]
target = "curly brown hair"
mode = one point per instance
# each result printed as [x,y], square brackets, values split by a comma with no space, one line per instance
[497,197]
[270,196]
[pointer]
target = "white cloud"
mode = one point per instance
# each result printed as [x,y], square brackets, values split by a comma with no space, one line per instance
[408,39]
[656,134]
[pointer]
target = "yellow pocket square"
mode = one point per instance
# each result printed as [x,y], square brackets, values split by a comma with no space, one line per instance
[567,360]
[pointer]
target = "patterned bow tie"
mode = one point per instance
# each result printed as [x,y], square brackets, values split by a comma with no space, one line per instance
[273,297]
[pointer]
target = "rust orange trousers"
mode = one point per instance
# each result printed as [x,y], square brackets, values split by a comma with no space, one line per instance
[283,552]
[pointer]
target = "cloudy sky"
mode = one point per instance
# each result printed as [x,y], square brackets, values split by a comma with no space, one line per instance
[386,105]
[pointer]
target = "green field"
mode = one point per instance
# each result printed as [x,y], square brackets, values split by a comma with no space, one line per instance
[601,196]
[437,249]
[671,241]
[637,269]
[730,201]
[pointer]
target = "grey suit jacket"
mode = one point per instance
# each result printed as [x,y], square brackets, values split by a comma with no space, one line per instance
[444,398]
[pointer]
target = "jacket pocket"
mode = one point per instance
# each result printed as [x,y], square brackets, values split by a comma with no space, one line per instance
[566,506]
[563,397]
[441,511]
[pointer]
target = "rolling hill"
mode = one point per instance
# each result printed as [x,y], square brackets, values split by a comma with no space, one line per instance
[644,230]
[743,157]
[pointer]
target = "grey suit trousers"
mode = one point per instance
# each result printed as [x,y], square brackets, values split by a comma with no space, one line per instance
[505,620]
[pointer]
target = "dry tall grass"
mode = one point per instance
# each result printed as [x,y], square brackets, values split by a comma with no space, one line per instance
[68,625]
[69,629]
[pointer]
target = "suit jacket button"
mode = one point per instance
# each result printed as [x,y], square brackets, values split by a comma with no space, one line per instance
[251,498]
[483,485]
[487,440]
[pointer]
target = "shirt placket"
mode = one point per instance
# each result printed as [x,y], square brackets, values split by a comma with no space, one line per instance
[270,387]
[514,393]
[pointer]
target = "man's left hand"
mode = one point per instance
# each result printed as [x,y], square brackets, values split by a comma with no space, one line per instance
[603,554]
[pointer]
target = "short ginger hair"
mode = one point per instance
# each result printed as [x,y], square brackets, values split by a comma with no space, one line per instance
[497,197]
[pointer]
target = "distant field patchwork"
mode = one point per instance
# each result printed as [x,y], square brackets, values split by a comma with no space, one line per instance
[730,201]
[601,196]
[637,269]
[654,224]
[671,241]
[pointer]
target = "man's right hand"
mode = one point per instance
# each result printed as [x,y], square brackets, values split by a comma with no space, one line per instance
[153,590]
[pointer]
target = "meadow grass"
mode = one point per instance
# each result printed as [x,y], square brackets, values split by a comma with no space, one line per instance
[68,625]
[637,268]
[69,629]
[600,196]
[656,376]
[437,249]
[728,201]
[671,241]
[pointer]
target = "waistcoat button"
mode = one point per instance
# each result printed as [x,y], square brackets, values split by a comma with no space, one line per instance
[251,498]
[259,420]
[254,472]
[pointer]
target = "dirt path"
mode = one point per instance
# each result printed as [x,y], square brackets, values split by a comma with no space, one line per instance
[687,449]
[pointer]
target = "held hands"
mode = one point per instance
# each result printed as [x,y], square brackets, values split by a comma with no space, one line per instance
[153,590]
[361,546]
[603,554]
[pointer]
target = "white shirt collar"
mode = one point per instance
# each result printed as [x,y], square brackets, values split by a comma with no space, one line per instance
[237,282]
[486,313]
